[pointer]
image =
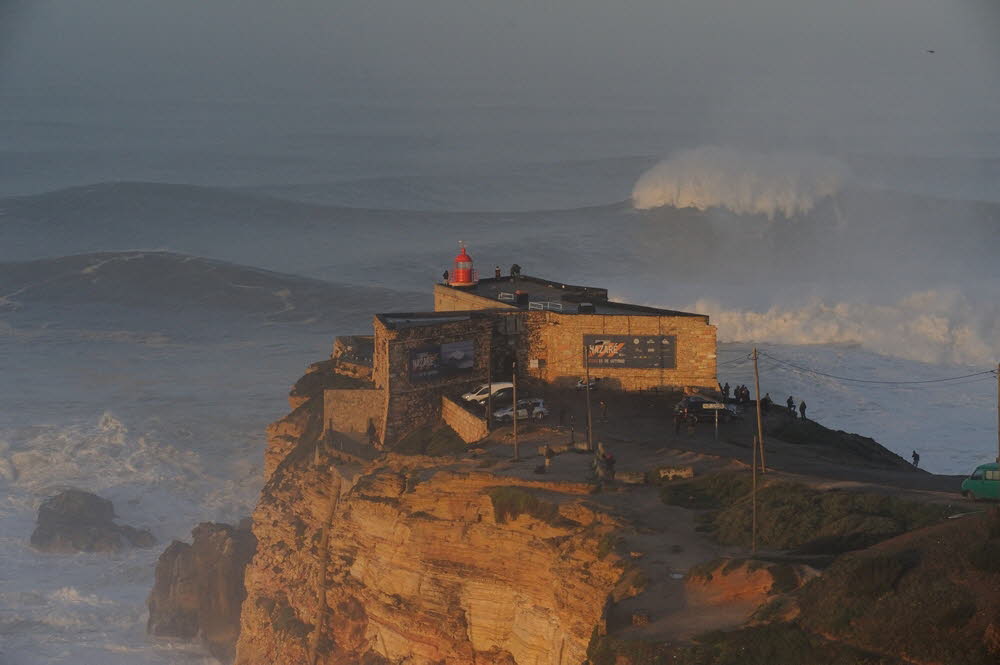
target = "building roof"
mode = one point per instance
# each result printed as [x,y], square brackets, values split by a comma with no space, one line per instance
[544,294]
[398,320]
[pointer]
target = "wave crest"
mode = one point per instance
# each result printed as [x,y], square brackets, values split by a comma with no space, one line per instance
[753,183]
[933,326]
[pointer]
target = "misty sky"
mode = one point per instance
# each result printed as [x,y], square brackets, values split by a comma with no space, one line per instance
[796,70]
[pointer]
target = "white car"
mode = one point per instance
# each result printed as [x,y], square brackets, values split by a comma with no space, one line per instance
[538,411]
[480,394]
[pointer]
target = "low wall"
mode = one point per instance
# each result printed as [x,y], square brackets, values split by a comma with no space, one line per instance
[468,426]
[351,409]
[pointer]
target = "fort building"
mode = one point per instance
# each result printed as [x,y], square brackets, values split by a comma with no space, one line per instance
[417,364]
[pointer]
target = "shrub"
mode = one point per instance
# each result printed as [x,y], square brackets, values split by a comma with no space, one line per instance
[607,544]
[510,502]
[437,441]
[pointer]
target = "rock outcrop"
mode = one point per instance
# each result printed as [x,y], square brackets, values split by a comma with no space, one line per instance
[199,587]
[78,521]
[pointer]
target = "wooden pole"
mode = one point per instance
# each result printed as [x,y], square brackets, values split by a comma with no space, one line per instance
[590,422]
[998,413]
[753,499]
[760,425]
[513,380]
[489,380]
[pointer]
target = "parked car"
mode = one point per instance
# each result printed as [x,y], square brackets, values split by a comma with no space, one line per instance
[481,393]
[538,412]
[694,405]
[983,483]
[595,383]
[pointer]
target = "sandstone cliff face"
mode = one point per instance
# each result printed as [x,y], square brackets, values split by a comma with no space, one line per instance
[199,588]
[408,560]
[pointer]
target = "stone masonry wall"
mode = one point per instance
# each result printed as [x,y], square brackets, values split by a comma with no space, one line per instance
[448,299]
[415,405]
[556,341]
[349,410]
[469,427]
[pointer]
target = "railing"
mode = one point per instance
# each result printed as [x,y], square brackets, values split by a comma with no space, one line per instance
[506,295]
[546,304]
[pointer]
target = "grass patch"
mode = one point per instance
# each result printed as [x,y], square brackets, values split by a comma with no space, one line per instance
[772,644]
[791,516]
[707,492]
[441,441]
[607,650]
[511,502]
[928,601]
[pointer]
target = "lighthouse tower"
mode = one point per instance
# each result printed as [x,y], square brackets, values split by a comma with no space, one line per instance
[463,274]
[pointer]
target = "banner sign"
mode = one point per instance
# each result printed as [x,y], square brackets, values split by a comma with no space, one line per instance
[441,361]
[631,351]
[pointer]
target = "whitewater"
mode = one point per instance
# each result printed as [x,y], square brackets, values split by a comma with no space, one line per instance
[155,309]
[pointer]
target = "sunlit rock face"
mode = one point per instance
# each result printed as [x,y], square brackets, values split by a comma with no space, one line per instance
[407,560]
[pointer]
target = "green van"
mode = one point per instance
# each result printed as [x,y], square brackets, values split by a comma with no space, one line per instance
[984,483]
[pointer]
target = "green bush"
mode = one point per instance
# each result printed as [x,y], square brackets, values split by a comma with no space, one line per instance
[510,502]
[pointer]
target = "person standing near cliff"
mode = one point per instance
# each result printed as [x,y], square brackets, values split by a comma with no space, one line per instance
[496,271]
[791,406]
[802,409]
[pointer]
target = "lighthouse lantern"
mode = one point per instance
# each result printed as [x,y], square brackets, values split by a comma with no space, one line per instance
[463,274]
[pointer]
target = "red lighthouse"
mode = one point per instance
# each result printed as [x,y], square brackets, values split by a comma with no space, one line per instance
[463,274]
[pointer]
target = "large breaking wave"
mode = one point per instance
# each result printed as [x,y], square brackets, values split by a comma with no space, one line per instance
[751,183]
[934,326]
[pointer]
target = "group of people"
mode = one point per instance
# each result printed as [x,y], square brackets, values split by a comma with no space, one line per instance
[790,402]
[741,394]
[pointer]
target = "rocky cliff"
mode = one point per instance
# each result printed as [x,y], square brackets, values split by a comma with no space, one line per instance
[199,587]
[422,560]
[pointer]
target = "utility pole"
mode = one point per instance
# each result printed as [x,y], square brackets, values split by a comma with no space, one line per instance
[760,425]
[590,422]
[998,413]
[753,499]
[489,380]
[513,380]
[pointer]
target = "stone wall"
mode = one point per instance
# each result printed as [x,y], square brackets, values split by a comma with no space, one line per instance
[555,343]
[350,410]
[449,299]
[415,404]
[467,425]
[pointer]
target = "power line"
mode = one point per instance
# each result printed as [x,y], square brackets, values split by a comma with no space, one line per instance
[744,359]
[872,381]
